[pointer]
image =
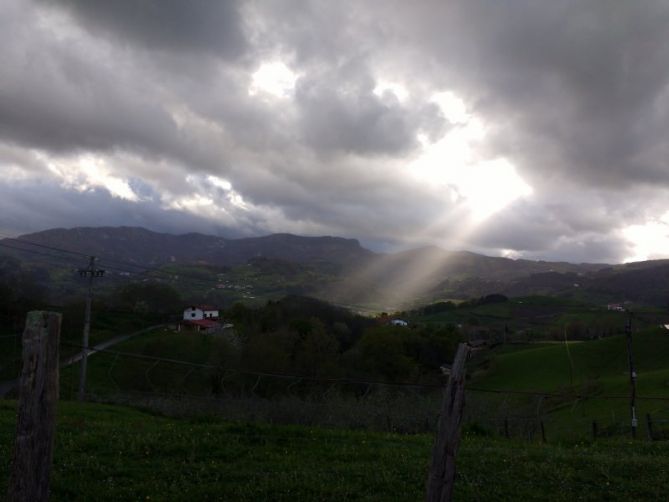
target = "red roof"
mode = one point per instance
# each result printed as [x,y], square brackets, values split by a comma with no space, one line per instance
[204,323]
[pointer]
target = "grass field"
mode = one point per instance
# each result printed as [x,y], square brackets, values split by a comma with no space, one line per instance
[110,373]
[596,369]
[114,453]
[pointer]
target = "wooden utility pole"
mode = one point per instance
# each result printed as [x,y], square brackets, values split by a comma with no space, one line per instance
[441,479]
[630,360]
[38,395]
[91,272]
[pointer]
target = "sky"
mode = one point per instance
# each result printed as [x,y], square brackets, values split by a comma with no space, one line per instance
[512,128]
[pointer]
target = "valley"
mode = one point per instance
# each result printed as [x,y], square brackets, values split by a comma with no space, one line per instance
[330,344]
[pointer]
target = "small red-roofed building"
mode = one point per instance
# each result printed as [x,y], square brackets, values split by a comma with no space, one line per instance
[200,318]
[199,312]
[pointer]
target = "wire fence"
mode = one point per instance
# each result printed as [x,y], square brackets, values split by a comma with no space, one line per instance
[179,387]
[184,388]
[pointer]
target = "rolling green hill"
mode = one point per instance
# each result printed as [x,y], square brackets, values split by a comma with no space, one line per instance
[552,366]
[596,370]
[336,269]
[533,318]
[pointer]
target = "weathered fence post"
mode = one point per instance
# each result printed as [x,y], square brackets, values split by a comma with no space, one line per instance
[441,479]
[543,432]
[594,430]
[649,425]
[36,416]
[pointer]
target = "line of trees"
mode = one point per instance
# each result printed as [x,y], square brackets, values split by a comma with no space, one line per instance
[304,336]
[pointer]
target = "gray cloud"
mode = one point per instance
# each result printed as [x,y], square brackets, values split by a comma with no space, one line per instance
[212,26]
[59,206]
[341,112]
[574,94]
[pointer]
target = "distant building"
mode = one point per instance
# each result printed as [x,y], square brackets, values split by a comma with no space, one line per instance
[201,318]
[399,322]
[616,306]
[200,312]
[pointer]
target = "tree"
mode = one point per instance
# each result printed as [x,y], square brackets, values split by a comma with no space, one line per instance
[317,352]
[382,353]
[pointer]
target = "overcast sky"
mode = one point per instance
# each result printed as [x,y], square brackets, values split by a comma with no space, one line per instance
[515,128]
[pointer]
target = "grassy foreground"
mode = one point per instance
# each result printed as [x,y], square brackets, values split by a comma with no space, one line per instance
[114,453]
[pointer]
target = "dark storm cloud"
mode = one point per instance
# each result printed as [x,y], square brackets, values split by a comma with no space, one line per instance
[58,206]
[212,26]
[60,95]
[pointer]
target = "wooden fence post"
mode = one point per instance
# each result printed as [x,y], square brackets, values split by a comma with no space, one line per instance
[36,416]
[543,432]
[594,430]
[441,479]
[649,425]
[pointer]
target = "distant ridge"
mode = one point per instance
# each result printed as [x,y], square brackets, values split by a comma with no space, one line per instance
[345,272]
[145,247]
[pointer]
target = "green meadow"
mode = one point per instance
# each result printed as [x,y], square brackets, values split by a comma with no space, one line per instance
[105,452]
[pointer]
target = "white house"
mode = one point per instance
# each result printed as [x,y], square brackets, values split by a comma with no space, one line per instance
[200,312]
[616,306]
[399,322]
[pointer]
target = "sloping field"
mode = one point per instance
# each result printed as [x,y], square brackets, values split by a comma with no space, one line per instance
[114,453]
[592,376]
[559,365]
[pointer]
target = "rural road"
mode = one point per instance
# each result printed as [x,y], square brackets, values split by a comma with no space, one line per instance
[106,344]
[9,385]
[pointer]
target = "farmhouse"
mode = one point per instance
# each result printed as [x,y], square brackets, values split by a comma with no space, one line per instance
[201,318]
[616,306]
[399,322]
[199,312]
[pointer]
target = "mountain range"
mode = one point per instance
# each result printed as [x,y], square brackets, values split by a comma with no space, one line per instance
[343,271]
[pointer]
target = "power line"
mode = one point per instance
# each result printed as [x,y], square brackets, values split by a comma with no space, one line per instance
[146,271]
[103,260]
[34,251]
[53,248]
